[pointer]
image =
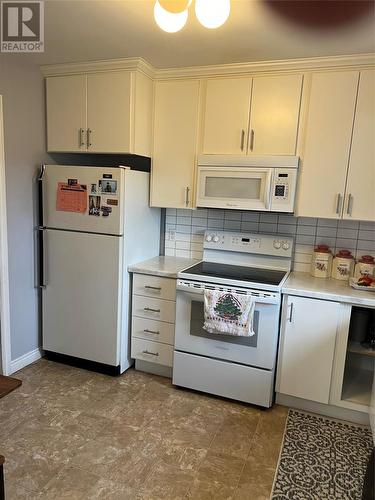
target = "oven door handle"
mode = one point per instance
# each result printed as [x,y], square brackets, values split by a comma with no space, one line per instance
[200,291]
[196,291]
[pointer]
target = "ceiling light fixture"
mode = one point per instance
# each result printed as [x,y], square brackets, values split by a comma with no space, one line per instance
[171,22]
[212,13]
[171,15]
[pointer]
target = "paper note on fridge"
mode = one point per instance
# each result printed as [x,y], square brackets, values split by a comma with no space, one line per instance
[71,197]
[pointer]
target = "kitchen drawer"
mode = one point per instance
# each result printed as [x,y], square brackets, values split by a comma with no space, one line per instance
[153,352]
[157,309]
[149,329]
[154,286]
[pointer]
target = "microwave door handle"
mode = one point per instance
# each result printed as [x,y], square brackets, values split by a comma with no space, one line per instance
[268,188]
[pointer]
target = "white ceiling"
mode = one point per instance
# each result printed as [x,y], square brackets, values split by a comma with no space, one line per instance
[83,30]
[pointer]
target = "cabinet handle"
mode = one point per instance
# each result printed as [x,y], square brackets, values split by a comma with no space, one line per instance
[242,139]
[89,131]
[81,137]
[149,309]
[349,208]
[339,204]
[149,287]
[187,196]
[252,139]
[151,353]
[291,313]
[146,330]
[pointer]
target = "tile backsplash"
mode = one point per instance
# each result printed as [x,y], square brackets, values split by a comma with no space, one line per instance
[184,230]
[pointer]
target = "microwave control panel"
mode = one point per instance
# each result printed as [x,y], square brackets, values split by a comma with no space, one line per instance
[283,189]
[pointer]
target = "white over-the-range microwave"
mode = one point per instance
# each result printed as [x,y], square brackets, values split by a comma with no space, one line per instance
[247,182]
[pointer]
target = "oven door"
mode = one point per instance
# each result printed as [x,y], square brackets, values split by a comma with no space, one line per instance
[234,187]
[258,350]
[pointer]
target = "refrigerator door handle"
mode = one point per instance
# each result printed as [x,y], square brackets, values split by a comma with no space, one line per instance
[42,273]
[42,171]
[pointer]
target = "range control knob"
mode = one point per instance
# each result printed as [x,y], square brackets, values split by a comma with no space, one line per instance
[208,237]
[276,244]
[215,239]
[286,245]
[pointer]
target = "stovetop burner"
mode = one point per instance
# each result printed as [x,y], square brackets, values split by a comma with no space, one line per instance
[239,273]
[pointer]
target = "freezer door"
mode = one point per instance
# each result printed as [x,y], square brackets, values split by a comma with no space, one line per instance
[81,306]
[83,198]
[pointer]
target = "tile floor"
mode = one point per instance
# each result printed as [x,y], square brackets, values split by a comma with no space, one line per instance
[70,433]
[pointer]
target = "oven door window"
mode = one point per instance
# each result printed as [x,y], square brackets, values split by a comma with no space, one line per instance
[196,328]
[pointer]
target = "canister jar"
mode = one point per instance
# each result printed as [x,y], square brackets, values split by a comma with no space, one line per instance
[365,267]
[321,263]
[343,265]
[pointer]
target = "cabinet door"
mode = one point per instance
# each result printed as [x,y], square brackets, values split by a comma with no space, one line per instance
[275,105]
[307,348]
[66,113]
[360,188]
[175,143]
[325,154]
[226,116]
[109,112]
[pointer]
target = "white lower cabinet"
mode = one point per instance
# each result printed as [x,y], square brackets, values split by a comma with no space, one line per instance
[307,347]
[324,357]
[153,352]
[153,322]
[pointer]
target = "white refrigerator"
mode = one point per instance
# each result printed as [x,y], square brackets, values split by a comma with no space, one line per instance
[96,222]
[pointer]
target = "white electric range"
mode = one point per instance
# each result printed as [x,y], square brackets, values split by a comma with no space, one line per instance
[241,368]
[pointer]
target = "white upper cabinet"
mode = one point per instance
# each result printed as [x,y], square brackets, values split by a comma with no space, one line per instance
[66,113]
[274,114]
[106,112]
[307,347]
[327,130]
[226,116]
[252,116]
[108,105]
[176,118]
[360,188]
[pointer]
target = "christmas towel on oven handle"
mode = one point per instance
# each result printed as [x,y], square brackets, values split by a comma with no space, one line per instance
[228,313]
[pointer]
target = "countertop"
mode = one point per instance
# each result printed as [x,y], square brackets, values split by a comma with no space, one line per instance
[301,284]
[167,267]
[304,285]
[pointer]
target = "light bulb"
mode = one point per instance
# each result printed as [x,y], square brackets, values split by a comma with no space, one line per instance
[171,23]
[175,6]
[212,13]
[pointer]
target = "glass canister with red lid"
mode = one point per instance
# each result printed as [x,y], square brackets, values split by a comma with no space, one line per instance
[321,262]
[365,267]
[343,265]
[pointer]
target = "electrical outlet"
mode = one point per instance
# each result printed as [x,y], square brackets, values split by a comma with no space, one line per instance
[171,235]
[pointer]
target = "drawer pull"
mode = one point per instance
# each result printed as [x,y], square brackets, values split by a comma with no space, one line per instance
[149,309]
[151,331]
[149,287]
[151,353]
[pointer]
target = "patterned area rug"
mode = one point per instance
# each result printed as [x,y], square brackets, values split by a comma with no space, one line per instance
[321,459]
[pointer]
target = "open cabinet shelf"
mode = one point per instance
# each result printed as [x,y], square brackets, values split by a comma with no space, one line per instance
[357,386]
[357,348]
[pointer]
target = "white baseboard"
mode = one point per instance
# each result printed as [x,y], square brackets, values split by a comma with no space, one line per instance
[25,360]
[323,409]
